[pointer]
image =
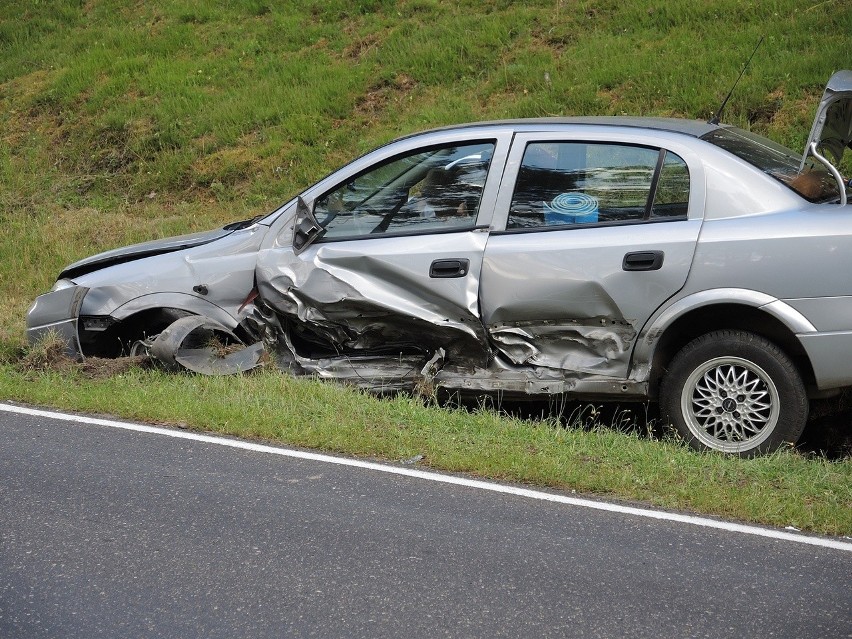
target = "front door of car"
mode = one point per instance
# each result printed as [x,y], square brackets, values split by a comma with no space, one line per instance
[598,234]
[386,262]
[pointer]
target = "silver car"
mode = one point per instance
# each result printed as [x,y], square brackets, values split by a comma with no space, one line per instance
[689,263]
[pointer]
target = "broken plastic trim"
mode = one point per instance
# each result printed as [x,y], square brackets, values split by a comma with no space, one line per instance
[202,345]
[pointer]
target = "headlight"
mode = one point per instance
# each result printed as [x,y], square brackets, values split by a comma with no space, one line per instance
[60,284]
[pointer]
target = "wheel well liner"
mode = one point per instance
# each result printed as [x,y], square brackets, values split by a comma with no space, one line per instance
[726,316]
[116,339]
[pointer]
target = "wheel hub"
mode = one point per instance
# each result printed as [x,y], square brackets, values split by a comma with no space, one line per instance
[729,405]
[729,402]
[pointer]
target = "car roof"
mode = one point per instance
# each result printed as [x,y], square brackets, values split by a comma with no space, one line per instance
[694,128]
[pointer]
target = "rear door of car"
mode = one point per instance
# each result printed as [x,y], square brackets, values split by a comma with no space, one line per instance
[595,229]
[385,256]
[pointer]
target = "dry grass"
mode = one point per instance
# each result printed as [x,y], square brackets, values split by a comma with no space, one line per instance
[48,355]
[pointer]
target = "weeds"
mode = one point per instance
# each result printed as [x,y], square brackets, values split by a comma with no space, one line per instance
[46,354]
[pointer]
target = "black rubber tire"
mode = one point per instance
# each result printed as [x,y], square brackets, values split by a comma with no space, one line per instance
[734,392]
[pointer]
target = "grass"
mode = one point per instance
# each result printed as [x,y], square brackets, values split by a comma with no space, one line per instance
[121,122]
[784,489]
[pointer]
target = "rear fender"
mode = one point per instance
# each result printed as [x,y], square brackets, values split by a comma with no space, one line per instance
[650,335]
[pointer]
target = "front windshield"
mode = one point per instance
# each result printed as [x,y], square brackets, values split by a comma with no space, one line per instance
[814,183]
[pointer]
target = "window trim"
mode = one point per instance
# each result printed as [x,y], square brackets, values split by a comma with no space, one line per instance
[655,180]
[433,230]
[587,225]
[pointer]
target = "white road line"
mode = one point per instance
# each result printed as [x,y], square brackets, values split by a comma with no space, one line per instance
[446,479]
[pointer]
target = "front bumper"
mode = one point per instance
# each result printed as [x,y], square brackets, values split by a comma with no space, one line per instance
[57,312]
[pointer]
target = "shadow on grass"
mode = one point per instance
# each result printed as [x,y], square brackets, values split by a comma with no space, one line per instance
[829,436]
[825,436]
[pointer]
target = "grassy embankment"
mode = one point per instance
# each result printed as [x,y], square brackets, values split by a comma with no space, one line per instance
[122,122]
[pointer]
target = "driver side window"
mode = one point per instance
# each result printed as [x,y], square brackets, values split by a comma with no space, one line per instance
[436,189]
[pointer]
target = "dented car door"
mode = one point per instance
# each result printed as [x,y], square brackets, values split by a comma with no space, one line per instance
[380,264]
[598,233]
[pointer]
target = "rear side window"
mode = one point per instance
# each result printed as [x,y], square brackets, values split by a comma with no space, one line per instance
[672,194]
[575,183]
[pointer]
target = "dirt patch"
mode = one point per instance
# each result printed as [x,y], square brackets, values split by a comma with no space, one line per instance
[223,349]
[232,166]
[47,354]
[765,112]
[557,38]
[362,46]
[382,93]
[50,356]
[100,368]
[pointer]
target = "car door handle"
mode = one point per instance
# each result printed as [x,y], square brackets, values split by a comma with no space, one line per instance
[643,261]
[455,267]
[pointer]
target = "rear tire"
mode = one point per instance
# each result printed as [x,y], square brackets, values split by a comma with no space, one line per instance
[734,392]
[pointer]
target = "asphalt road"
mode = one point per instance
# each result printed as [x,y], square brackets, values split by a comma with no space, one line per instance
[110,533]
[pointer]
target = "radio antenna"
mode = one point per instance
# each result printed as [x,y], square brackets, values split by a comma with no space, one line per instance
[715,118]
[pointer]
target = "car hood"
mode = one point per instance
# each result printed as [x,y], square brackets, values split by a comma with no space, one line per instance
[145,249]
[832,129]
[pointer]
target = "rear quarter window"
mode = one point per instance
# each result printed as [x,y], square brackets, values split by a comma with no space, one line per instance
[814,182]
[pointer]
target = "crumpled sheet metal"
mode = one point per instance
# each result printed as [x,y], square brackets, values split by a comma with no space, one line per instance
[500,375]
[367,303]
[375,373]
[337,295]
[189,343]
[597,347]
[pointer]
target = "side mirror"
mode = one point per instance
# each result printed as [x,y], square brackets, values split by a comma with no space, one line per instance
[306,229]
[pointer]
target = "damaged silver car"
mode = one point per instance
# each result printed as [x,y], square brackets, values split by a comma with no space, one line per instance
[689,263]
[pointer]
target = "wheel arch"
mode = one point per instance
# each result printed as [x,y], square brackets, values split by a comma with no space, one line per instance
[752,312]
[145,316]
